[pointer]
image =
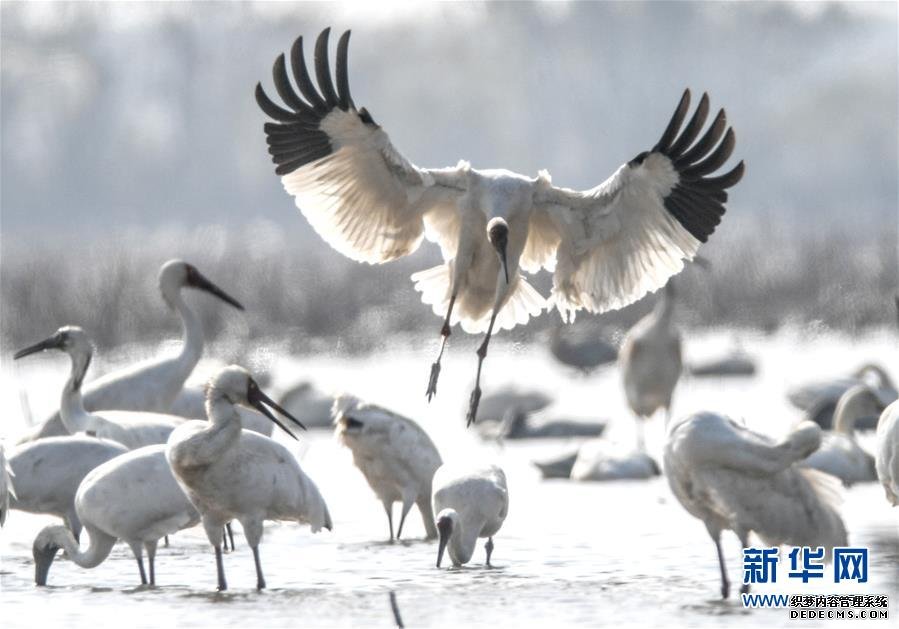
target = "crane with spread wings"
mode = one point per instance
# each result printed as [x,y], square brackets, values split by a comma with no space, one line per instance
[606,247]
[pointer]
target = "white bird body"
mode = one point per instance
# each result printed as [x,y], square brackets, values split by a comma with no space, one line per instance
[397,457]
[151,385]
[601,460]
[819,398]
[48,472]
[470,503]
[840,454]
[133,497]
[132,429]
[606,246]
[234,474]
[7,489]
[887,460]
[732,478]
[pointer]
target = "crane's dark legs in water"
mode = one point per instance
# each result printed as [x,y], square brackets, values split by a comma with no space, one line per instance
[725,584]
[140,566]
[151,556]
[435,367]
[260,580]
[388,508]
[220,568]
[489,548]
[482,353]
[744,542]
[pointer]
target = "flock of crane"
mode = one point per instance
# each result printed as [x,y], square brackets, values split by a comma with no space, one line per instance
[124,459]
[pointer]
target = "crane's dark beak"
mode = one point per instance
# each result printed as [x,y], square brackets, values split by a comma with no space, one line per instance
[498,235]
[445,529]
[260,401]
[502,257]
[43,559]
[54,342]
[197,280]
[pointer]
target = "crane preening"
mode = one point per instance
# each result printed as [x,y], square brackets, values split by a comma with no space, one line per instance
[607,246]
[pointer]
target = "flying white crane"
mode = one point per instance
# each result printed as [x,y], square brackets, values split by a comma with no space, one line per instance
[134,498]
[48,472]
[840,454]
[397,457]
[607,246]
[234,474]
[732,478]
[650,362]
[7,488]
[133,429]
[469,503]
[887,460]
[154,384]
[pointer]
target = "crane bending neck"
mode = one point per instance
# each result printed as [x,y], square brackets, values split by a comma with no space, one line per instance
[849,408]
[97,551]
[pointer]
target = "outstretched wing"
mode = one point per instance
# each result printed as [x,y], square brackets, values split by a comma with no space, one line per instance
[629,235]
[356,190]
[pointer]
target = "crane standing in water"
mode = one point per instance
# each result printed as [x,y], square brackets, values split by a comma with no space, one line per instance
[607,246]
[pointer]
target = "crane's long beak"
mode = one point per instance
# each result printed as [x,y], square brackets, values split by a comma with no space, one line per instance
[43,559]
[51,343]
[445,530]
[502,257]
[441,546]
[200,282]
[259,400]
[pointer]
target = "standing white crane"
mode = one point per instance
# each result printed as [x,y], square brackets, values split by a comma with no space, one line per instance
[234,474]
[887,460]
[607,246]
[397,457]
[650,362]
[133,429]
[7,488]
[840,454]
[154,384]
[732,478]
[48,472]
[469,503]
[133,497]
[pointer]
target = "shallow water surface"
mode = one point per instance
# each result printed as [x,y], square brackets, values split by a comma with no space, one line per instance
[622,553]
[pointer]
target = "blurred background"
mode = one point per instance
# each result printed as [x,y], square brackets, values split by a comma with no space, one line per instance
[130,135]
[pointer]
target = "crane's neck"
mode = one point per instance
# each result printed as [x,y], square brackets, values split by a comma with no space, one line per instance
[97,551]
[663,312]
[850,407]
[222,433]
[192,333]
[71,407]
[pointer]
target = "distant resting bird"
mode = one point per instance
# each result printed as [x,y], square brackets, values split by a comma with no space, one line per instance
[306,401]
[887,459]
[732,478]
[470,502]
[651,363]
[133,497]
[584,349]
[234,474]
[607,246]
[840,454]
[601,460]
[153,384]
[397,457]
[819,398]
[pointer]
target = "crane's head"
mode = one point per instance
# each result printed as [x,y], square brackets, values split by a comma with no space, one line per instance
[176,274]
[69,339]
[236,385]
[447,520]
[498,235]
[44,551]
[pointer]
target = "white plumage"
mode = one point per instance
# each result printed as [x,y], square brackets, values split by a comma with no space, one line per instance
[819,398]
[154,384]
[606,246]
[133,498]
[840,454]
[7,489]
[734,479]
[191,404]
[601,460]
[48,472]
[470,502]
[397,457]
[234,474]
[132,429]
[650,362]
[887,460]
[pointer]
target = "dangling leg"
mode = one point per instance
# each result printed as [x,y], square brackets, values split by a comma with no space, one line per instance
[407,505]
[744,542]
[482,353]
[489,548]
[435,367]
[220,568]
[388,509]
[151,557]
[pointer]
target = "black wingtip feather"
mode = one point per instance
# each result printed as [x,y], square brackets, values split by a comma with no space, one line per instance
[674,124]
[343,80]
[322,69]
